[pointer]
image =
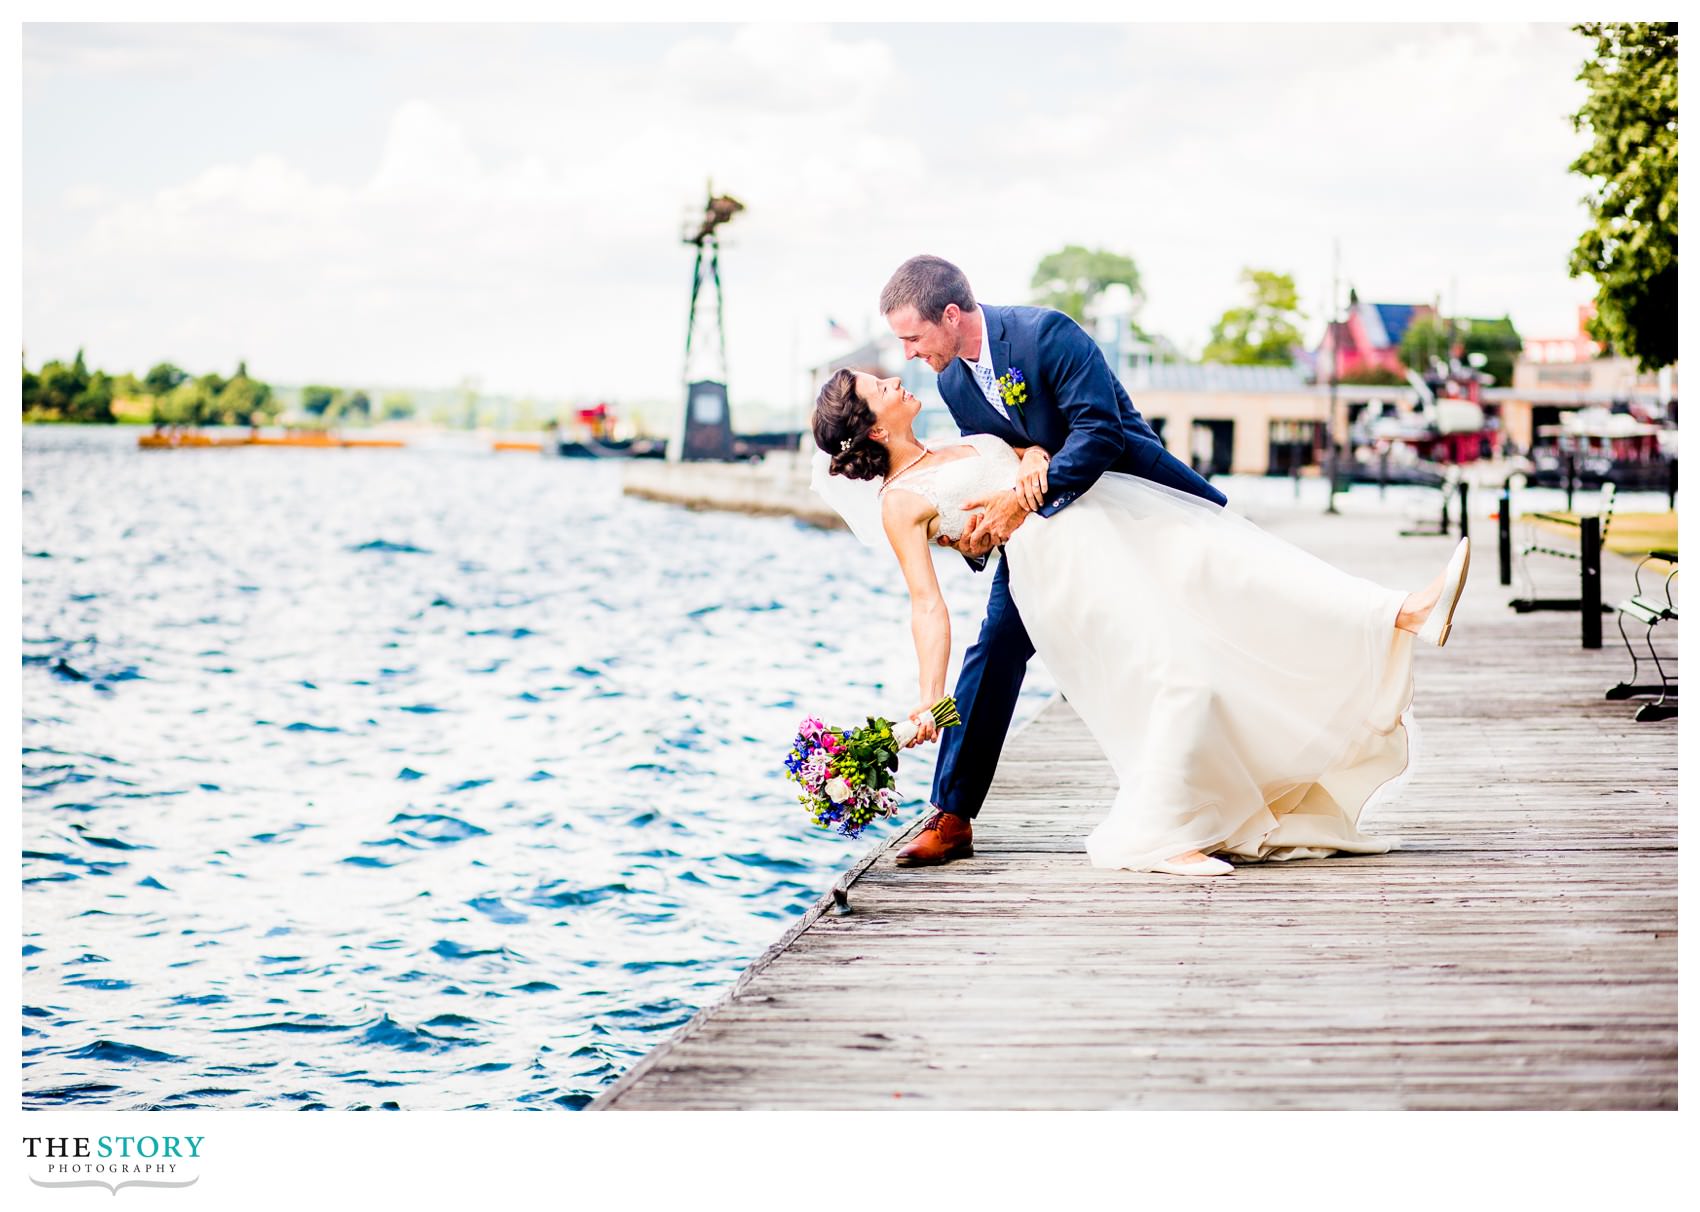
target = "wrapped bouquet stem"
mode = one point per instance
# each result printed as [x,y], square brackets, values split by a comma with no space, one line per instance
[848,775]
[943,713]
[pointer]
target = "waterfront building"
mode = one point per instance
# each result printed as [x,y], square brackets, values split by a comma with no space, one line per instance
[1256,420]
[1558,376]
[1221,419]
[1368,339]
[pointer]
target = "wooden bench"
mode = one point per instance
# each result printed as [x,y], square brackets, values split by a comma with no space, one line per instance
[1538,543]
[1649,611]
[1592,531]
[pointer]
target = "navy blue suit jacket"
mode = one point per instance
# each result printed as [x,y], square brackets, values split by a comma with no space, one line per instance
[1076,408]
[1078,412]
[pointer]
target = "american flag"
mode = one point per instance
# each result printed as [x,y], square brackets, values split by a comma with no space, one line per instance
[835,329]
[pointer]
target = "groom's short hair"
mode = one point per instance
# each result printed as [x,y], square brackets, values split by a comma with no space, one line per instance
[929,285]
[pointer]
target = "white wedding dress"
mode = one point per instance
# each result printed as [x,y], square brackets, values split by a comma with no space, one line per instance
[1250,697]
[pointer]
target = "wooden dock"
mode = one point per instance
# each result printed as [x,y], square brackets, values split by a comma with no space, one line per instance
[1518,952]
[775,485]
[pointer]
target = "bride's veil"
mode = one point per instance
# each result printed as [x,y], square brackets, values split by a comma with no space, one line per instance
[856,501]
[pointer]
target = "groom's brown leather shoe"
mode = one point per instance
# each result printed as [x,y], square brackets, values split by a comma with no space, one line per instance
[945,836]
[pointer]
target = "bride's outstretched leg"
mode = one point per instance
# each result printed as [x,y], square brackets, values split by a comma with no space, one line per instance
[1421,604]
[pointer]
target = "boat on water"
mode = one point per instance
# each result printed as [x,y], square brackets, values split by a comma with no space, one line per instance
[594,433]
[624,448]
[174,438]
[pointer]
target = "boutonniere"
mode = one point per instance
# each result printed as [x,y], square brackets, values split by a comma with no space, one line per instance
[1013,388]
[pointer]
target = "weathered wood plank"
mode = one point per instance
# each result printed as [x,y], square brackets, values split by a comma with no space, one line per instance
[1518,951]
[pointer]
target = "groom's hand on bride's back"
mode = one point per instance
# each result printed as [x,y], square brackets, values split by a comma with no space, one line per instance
[975,542]
[998,517]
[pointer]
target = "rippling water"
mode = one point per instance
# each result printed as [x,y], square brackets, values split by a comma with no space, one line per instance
[415,779]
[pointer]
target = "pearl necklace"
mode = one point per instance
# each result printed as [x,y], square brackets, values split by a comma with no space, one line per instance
[924,453]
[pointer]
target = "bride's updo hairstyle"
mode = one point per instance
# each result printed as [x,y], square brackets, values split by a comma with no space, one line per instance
[842,422]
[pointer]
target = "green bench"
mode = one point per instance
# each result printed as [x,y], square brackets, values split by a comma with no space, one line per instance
[1647,609]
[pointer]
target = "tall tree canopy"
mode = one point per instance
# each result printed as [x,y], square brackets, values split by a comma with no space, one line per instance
[1265,331]
[397,405]
[67,393]
[1070,279]
[75,393]
[162,378]
[1629,247]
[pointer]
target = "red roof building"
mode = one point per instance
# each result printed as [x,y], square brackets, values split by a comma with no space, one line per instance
[1368,339]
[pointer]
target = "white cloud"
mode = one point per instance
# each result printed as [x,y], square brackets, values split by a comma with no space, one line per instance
[792,69]
[1434,154]
[164,49]
[520,220]
[426,152]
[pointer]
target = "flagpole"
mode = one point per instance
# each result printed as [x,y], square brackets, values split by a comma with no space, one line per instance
[1333,377]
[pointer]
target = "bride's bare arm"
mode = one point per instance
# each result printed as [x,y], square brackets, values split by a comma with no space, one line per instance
[906,515]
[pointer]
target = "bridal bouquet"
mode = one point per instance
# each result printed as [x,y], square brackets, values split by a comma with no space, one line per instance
[847,775]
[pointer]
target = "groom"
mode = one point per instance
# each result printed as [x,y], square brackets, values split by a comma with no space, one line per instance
[1073,406]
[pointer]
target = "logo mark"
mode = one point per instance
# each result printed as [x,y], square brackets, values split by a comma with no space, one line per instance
[115,1188]
[131,1161]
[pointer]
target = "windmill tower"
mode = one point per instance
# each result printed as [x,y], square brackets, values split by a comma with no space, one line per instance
[705,422]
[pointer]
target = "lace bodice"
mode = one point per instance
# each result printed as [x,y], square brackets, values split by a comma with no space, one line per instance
[950,483]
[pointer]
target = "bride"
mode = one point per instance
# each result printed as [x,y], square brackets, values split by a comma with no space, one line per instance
[1249,696]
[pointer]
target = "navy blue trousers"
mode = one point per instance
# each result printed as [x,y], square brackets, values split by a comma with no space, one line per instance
[993,669]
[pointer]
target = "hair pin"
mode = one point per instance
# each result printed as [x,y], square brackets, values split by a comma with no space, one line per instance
[846,444]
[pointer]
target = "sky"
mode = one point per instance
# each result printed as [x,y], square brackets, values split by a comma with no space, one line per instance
[386,205]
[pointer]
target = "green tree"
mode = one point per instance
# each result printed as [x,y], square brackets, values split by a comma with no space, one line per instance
[1426,337]
[162,378]
[92,405]
[211,384]
[130,404]
[317,400]
[58,385]
[1629,247]
[1498,343]
[1265,331]
[185,404]
[396,406]
[1430,336]
[68,393]
[1070,279]
[246,401]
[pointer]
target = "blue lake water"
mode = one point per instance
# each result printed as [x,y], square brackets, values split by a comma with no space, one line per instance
[429,778]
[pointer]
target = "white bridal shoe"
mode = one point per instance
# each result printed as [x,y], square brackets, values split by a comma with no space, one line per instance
[1203,866]
[1438,625]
